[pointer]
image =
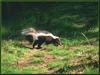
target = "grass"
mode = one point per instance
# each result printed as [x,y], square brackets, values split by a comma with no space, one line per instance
[33,70]
[91,70]
[12,69]
[56,64]
[70,55]
[73,52]
[35,60]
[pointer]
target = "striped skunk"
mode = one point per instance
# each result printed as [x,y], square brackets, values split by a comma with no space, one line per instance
[38,37]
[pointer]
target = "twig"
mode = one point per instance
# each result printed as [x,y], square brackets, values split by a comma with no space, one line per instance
[86,38]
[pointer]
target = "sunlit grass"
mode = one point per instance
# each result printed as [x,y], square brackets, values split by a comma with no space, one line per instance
[56,64]
[33,70]
[36,60]
[12,69]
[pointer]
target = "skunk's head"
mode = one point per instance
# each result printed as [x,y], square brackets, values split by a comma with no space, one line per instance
[56,41]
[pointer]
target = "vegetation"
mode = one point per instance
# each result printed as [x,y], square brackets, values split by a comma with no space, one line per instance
[75,23]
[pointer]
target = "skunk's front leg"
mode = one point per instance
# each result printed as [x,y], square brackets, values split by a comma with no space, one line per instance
[35,43]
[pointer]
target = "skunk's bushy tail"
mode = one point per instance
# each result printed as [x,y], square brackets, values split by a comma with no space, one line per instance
[27,31]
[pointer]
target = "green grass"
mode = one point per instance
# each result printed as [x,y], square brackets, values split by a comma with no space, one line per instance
[36,60]
[33,70]
[72,53]
[39,54]
[56,64]
[81,53]
[12,69]
[91,70]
